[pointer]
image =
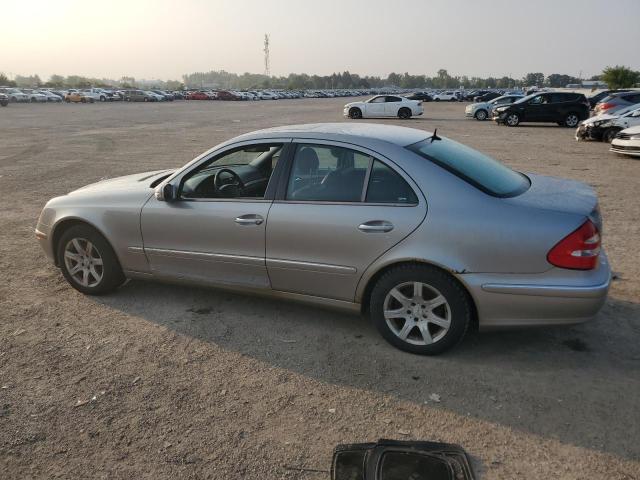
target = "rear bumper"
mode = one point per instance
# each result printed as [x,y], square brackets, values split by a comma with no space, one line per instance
[556,297]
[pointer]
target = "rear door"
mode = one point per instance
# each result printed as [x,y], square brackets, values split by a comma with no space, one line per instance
[338,209]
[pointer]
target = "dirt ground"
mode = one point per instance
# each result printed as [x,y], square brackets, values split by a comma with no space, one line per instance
[180,382]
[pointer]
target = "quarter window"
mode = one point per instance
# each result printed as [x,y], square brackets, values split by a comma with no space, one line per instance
[327,173]
[386,186]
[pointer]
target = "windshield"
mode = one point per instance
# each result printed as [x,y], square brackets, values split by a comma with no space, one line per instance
[474,167]
[527,98]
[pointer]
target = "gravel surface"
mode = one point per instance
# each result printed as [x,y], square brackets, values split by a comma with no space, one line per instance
[158,381]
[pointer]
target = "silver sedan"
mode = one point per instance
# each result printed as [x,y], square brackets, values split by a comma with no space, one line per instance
[428,237]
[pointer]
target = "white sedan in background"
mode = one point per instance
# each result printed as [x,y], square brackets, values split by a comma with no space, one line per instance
[384,106]
[627,142]
[481,111]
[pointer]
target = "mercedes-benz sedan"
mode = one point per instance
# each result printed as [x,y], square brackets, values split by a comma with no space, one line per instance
[425,235]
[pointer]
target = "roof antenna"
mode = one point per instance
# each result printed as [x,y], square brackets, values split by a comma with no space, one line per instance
[435,136]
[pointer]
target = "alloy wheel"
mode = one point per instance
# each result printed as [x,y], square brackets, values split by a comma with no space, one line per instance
[572,120]
[417,313]
[513,120]
[481,115]
[83,262]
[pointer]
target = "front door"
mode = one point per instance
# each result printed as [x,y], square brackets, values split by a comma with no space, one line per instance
[333,222]
[375,108]
[214,232]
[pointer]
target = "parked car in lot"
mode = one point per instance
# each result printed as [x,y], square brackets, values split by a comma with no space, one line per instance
[34,95]
[485,97]
[79,97]
[336,214]
[565,109]
[155,97]
[228,95]
[384,106]
[4,100]
[448,96]
[607,125]
[617,101]
[601,95]
[483,110]
[14,94]
[168,97]
[138,96]
[198,96]
[627,142]
[50,96]
[422,96]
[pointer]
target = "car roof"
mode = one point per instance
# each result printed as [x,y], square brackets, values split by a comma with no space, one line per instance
[401,136]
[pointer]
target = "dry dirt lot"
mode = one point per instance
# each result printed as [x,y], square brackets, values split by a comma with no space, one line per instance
[180,382]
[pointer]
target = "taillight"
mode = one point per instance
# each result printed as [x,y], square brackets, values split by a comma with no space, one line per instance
[606,106]
[579,250]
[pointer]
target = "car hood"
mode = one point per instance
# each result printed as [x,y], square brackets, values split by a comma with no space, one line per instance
[599,118]
[480,105]
[137,181]
[632,130]
[557,194]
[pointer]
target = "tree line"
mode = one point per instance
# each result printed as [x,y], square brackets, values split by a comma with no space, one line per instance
[615,77]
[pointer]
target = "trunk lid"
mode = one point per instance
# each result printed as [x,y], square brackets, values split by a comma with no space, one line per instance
[560,195]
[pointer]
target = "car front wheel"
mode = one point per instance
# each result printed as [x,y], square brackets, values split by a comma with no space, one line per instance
[420,309]
[88,262]
[512,120]
[481,115]
[609,135]
[355,113]
[571,120]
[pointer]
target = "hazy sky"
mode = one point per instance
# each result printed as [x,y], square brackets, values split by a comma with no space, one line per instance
[164,39]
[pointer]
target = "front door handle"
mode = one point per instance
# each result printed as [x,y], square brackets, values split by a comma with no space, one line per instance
[376,226]
[249,219]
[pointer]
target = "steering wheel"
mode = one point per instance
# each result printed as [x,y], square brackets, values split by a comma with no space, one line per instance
[236,185]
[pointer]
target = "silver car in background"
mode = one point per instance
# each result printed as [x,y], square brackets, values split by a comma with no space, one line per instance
[425,235]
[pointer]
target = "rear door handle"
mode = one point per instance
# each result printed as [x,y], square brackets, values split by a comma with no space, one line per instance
[376,226]
[249,219]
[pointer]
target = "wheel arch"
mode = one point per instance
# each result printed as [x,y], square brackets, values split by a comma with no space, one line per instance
[65,224]
[365,297]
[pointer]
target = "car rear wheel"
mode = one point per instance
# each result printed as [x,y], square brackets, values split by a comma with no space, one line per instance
[420,309]
[404,113]
[512,120]
[88,262]
[355,113]
[437,99]
[609,134]
[481,115]
[571,120]
[146,99]
[453,99]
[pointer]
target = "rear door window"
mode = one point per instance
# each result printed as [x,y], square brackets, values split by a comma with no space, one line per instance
[387,186]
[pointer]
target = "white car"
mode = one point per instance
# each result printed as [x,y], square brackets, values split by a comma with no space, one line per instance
[384,106]
[91,93]
[159,98]
[482,111]
[448,96]
[627,142]
[606,125]
[35,95]
[268,96]
[50,96]
[14,94]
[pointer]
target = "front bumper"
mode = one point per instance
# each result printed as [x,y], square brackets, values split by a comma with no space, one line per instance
[626,147]
[589,132]
[555,297]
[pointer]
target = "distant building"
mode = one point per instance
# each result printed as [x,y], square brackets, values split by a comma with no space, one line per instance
[594,84]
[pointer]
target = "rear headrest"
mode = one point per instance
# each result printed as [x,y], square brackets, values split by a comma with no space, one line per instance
[307,161]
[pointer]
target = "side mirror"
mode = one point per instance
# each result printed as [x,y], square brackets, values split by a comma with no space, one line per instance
[167,193]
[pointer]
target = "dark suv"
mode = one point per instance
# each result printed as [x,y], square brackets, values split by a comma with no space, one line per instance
[565,109]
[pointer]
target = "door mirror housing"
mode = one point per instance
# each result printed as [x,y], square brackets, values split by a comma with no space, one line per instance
[166,193]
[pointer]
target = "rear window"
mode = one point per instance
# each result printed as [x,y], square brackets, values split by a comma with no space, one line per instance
[479,170]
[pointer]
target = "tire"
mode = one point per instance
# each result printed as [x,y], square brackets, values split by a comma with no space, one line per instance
[404,113]
[33,100]
[67,100]
[4,103]
[609,134]
[127,99]
[436,99]
[355,113]
[83,100]
[146,99]
[481,115]
[571,120]
[91,100]
[453,317]
[454,99]
[14,99]
[92,278]
[103,98]
[512,120]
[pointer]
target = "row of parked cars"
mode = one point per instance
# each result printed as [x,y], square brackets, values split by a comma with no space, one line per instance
[91,95]
[612,116]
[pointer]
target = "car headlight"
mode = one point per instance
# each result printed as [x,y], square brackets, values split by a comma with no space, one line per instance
[501,109]
[635,137]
